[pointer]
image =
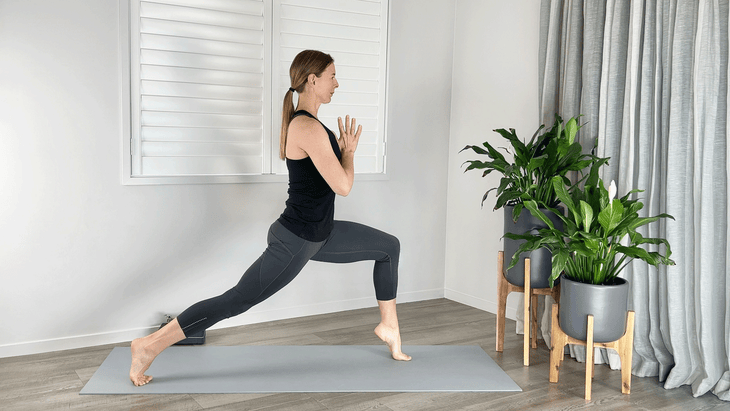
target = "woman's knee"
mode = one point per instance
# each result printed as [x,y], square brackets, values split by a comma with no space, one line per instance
[392,245]
[236,302]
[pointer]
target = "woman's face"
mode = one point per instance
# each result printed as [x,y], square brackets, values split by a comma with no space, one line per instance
[325,85]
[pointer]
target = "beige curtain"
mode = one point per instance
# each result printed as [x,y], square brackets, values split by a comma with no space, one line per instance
[650,78]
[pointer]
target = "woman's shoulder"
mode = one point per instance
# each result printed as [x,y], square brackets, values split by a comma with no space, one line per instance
[303,126]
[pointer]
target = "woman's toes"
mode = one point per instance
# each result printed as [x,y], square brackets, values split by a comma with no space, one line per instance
[401,356]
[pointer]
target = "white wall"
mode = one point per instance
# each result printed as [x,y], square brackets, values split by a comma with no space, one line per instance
[494,86]
[85,260]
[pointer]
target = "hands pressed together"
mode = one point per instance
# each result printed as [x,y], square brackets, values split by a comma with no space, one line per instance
[348,136]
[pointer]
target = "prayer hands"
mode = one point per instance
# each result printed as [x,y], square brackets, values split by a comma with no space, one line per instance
[348,137]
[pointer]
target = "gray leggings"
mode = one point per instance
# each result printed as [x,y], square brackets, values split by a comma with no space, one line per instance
[285,257]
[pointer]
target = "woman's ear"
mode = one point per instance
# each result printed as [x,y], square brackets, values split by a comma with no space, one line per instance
[310,78]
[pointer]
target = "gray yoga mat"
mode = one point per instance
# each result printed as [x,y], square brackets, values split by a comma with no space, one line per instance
[312,368]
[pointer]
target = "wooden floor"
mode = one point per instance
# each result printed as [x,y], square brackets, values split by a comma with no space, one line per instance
[53,380]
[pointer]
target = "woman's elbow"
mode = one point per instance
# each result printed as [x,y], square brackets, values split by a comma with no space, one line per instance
[343,190]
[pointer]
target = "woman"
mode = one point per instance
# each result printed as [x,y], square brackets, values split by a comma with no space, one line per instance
[320,166]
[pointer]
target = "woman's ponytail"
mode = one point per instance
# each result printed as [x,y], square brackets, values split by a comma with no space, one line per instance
[286,112]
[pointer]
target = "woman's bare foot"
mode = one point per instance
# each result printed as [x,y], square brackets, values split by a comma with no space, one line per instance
[145,350]
[391,336]
[141,361]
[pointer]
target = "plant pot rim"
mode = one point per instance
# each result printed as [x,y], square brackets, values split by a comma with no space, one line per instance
[559,207]
[622,281]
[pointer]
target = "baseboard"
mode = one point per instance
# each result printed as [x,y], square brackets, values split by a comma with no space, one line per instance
[480,303]
[252,317]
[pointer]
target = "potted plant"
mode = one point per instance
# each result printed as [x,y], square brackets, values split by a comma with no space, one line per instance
[535,163]
[597,240]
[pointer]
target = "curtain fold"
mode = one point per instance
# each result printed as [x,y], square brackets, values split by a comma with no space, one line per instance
[650,78]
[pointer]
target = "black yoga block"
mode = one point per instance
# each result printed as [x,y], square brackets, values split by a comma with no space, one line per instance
[195,339]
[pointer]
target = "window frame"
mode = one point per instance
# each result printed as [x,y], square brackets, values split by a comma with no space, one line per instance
[270,147]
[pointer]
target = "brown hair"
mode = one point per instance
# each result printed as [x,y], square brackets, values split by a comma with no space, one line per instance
[305,63]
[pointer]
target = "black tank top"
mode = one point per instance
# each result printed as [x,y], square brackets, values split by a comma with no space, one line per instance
[310,209]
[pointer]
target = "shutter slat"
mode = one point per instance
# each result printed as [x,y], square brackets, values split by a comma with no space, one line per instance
[157,118]
[321,15]
[201,16]
[236,6]
[200,31]
[153,133]
[302,42]
[186,75]
[325,30]
[166,88]
[187,149]
[193,166]
[188,105]
[201,61]
[201,46]
[359,7]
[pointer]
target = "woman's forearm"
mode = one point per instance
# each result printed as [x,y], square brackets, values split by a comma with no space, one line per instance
[348,164]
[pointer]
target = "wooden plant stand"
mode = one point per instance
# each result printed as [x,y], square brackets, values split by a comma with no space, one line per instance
[624,346]
[504,287]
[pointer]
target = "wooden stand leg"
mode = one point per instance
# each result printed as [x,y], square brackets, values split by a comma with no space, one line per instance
[501,300]
[533,327]
[557,337]
[526,317]
[626,352]
[589,357]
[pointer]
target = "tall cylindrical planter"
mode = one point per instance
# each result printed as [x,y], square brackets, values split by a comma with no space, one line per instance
[607,303]
[541,264]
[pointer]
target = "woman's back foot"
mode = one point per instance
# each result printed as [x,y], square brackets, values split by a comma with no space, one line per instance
[391,337]
[141,361]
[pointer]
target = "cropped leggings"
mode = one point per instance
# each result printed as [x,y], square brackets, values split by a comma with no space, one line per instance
[285,257]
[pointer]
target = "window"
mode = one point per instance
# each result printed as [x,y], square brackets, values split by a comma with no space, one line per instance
[205,81]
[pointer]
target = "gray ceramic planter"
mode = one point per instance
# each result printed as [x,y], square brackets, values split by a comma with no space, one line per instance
[607,303]
[541,264]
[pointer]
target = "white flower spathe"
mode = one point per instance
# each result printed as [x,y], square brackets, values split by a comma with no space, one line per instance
[612,191]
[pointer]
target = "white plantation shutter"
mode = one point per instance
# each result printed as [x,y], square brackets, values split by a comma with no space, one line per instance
[207,80]
[201,105]
[354,32]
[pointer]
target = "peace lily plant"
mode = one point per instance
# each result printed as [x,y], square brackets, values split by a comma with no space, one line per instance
[534,164]
[599,236]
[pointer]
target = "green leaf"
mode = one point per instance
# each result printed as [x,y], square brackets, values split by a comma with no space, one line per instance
[475,164]
[587,216]
[610,216]
[571,129]
[518,145]
[560,259]
[476,149]
[636,252]
[535,211]
[516,211]
[602,195]
[562,193]
[486,194]
[580,248]
[642,221]
[496,155]
[535,163]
